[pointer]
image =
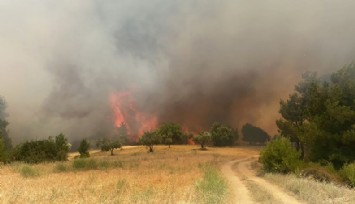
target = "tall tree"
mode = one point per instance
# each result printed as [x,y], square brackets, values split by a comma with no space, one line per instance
[4,134]
[320,117]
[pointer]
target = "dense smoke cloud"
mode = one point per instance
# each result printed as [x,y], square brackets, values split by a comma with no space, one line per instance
[192,62]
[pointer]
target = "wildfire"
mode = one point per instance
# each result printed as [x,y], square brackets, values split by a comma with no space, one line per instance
[125,111]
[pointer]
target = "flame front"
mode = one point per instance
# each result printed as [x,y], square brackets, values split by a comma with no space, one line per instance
[125,112]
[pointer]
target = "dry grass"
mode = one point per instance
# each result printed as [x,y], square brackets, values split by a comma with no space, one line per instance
[260,195]
[166,176]
[313,191]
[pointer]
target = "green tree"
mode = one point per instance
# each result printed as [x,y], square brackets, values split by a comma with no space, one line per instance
[203,139]
[171,133]
[106,145]
[254,135]
[84,149]
[62,147]
[149,139]
[223,135]
[4,134]
[320,116]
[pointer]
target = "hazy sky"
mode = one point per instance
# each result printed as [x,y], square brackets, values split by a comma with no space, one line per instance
[188,61]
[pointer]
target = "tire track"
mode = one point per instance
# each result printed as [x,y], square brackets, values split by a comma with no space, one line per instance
[245,173]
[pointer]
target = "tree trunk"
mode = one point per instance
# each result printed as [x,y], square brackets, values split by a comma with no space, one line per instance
[111,152]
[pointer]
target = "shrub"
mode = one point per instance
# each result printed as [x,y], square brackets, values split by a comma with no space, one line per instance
[279,156]
[348,173]
[43,150]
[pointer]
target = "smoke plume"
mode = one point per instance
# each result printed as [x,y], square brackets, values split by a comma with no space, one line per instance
[191,62]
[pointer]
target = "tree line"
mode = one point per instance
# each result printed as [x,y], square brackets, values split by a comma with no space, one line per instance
[57,148]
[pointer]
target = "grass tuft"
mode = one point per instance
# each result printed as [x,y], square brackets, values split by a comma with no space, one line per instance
[213,187]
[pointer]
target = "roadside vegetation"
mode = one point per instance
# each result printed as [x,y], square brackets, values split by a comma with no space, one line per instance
[315,148]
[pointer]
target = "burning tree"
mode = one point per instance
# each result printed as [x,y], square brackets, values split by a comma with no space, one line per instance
[128,118]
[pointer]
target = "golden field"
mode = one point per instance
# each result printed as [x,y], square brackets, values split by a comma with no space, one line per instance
[169,175]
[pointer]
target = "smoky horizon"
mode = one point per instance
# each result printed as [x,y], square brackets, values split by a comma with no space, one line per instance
[77,67]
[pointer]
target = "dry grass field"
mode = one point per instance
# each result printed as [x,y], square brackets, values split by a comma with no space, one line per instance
[180,174]
[311,191]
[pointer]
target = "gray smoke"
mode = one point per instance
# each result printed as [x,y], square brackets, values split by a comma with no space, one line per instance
[192,62]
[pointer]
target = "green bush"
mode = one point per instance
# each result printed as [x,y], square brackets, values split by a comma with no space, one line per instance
[28,171]
[348,173]
[42,150]
[279,156]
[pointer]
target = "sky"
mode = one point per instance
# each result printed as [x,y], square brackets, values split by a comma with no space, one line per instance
[193,62]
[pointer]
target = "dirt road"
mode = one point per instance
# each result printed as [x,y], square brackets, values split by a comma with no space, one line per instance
[242,174]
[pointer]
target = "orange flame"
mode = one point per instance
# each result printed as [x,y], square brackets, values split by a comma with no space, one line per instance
[125,111]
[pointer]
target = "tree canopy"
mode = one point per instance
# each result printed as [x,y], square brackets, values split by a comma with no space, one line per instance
[149,139]
[223,135]
[254,135]
[203,139]
[319,117]
[107,144]
[171,133]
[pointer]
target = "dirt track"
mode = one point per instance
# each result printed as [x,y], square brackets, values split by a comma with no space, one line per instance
[244,173]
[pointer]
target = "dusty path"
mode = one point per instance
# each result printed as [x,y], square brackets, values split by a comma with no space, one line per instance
[241,193]
[244,173]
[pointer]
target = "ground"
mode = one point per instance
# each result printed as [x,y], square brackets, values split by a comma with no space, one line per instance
[180,174]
